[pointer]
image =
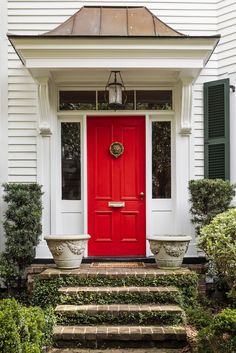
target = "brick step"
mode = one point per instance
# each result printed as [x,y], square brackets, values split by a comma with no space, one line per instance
[120,336]
[118,295]
[119,314]
[85,271]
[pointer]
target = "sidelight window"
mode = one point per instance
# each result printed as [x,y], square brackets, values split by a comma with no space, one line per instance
[70,161]
[161,159]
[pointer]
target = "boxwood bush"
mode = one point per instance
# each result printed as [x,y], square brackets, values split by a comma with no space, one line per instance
[218,241]
[21,328]
[220,335]
[208,198]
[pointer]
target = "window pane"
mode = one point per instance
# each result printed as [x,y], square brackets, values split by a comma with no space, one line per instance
[129,102]
[70,161]
[154,100]
[77,100]
[161,159]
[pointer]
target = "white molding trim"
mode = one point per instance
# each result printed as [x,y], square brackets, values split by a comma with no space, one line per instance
[44,106]
[186,106]
[186,55]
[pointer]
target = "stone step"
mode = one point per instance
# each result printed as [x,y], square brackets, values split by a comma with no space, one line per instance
[118,295]
[85,271]
[119,314]
[120,336]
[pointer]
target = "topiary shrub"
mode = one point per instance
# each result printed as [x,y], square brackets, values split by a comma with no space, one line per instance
[220,335]
[22,225]
[22,329]
[218,241]
[209,197]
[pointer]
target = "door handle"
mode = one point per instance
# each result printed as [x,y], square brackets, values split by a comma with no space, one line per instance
[141,195]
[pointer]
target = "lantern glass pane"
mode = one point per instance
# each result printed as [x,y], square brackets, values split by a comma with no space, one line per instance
[127,100]
[115,94]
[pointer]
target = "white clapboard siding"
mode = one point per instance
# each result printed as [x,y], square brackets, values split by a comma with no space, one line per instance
[20,147]
[227,28]
[191,17]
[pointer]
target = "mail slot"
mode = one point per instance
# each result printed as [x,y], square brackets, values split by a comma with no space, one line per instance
[116,204]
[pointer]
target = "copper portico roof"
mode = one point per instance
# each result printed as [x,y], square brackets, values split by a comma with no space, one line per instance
[102,21]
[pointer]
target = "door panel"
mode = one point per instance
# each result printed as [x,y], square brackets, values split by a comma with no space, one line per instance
[116,231]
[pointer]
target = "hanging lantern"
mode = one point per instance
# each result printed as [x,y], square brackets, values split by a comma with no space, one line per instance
[114,91]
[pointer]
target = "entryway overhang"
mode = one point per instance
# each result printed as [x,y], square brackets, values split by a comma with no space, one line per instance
[95,40]
[185,56]
[124,38]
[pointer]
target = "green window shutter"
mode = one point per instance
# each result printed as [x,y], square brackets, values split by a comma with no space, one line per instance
[216,129]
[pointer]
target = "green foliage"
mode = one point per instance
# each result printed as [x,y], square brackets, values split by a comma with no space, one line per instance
[100,298]
[120,318]
[21,328]
[22,225]
[49,323]
[198,316]
[220,335]
[218,240]
[209,197]
[45,291]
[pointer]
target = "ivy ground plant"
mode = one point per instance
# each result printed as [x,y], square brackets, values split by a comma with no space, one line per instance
[22,225]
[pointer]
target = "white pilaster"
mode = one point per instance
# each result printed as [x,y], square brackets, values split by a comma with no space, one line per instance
[184,156]
[44,159]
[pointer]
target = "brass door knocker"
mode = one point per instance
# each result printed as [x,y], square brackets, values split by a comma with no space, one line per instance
[116,149]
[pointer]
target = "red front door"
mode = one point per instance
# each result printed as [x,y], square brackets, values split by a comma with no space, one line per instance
[116,186]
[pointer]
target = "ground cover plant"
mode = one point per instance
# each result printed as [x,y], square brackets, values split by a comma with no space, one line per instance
[220,335]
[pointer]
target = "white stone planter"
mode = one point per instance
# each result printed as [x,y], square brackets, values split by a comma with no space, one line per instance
[67,250]
[169,250]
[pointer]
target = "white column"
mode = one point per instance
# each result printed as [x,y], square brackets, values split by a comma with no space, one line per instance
[44,160]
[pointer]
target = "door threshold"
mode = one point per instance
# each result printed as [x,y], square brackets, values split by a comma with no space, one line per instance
[90,259]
